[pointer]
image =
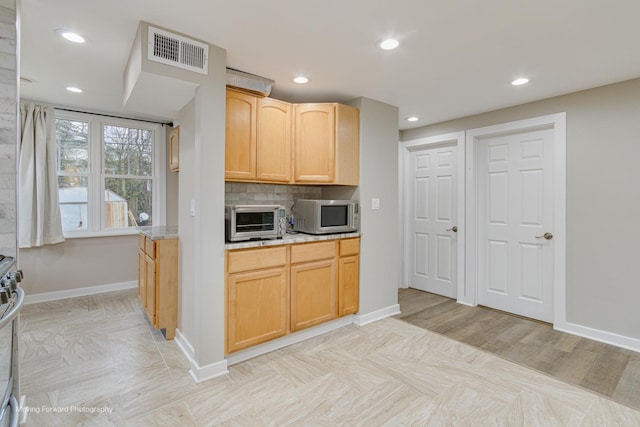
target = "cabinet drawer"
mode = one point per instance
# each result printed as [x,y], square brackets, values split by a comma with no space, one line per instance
[150,247]
[313,251]
[349,246]
[141,239]
[255,259]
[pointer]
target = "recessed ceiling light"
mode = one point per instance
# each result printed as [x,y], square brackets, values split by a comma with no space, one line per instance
[71,36]
[301,80]
[520,81]
[74,89]
[412,119]
[389,44]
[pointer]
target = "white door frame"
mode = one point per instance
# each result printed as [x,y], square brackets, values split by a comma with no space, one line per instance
[557,122]
[458,139]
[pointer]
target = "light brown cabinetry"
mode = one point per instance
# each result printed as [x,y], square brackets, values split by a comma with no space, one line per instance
[275,290]
[258,139]
[273,146]
[268,140]
[313,284]
[158,282]
[174,149]
[349,276]
[257,295]
[326,144]
[240,136]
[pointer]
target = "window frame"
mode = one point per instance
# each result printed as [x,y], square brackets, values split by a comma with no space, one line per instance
[96,210]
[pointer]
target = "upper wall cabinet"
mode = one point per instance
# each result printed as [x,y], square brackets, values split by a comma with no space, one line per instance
[326,144]
[274,140]
[258,139]
[240,136]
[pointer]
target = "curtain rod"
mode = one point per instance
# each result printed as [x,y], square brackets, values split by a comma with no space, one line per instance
[114,117]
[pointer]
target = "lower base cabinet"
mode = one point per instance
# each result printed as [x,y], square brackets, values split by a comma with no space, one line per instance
[349,277]
[273,291]
[313,293]
[257,307]
[158,282]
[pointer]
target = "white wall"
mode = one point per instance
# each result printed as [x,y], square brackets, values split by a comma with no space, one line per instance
[201,264]
[209,227]
[378,178]
[603,200]
[80,263]
[186,223]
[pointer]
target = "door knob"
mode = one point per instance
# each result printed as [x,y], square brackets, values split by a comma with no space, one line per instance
[454,229]
[547,236]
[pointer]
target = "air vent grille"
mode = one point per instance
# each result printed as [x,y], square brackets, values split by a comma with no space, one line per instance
[181,52]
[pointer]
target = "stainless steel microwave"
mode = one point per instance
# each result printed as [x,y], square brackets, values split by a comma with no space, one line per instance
[325,216]
[248,222]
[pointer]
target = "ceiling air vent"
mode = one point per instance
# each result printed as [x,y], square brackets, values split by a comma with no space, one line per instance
[181,52]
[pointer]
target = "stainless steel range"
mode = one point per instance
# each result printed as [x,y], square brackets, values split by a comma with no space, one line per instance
[11,301]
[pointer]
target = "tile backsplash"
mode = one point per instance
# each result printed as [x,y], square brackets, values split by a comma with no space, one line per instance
[268,194]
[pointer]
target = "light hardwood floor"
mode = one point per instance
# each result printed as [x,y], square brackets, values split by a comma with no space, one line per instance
[611,371]
[100,354]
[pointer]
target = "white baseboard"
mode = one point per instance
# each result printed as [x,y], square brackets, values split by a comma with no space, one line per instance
[79,292]
[197,372]
[364,319]
[183,344]
[208,372]
[287,340]
[598,335]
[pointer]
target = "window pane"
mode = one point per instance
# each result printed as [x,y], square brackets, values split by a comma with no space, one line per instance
[72,191]
[127,151]
[124,195]
[72,142]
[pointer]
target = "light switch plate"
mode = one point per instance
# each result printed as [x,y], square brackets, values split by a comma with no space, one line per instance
[192,207]
[375,203]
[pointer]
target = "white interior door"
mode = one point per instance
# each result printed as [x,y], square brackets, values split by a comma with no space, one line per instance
[515,210]
[432,213]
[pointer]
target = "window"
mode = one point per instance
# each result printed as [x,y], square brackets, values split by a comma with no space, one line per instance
[108,174]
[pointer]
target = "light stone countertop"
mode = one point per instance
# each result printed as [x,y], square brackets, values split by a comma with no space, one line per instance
[160,232]
[288,239]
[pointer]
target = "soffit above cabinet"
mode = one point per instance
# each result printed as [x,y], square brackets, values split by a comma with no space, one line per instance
[153,85]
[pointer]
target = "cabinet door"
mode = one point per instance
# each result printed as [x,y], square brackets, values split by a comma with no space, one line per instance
[142,278]
[257,307]
[174,149]
[313,293]
[150,288]
[273,140]
[240,139]
[314,143]
[348,285]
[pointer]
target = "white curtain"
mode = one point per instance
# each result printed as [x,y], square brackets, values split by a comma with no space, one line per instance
[39,221]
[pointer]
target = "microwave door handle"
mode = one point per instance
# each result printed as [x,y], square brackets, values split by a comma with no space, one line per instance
[352,215]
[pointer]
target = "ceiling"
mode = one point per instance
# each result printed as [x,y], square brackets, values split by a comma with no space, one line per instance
[456,57]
